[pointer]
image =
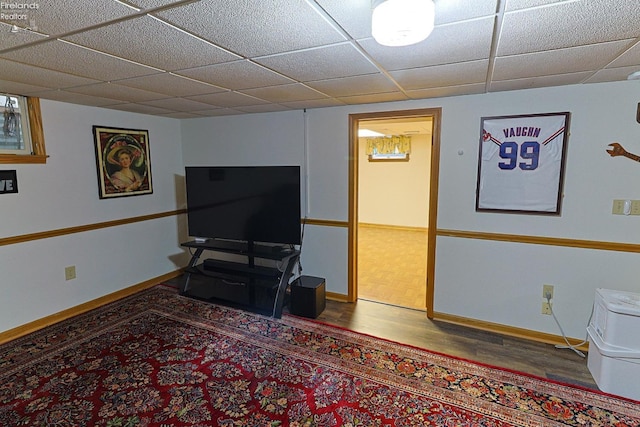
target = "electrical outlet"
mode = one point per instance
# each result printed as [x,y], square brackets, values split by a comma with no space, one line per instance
[547,290]
[635,207]
[70,272]
[546,308]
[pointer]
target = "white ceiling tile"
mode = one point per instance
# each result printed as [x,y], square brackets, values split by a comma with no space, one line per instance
[170,84]
[69,58]
[527,4]
[10,39]
[180,115]
[255,27]
[373,98]
[442,75]
[75,98]
[284,93]
[560,61]
[20,88]
[568,24]
[56,17]
[612,74]
[545,81]
[462,10]
[145,40]
[236,75]
[178,104]
[631,57]
[118,92]
[264,108]
[446,45]
[438,92]
[228,99]
[22,73]
[138,108]
[218,112]
[314,103]
[354,16]
[321,63]
[152,4]
[221,48]
[356,85]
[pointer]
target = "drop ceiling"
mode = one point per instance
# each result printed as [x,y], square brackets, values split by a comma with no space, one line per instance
[220,57]
[399,126]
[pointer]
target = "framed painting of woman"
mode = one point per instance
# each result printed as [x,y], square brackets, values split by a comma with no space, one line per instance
[123,162]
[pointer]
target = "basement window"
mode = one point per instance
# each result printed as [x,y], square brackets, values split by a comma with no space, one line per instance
[21,136]
[389,148]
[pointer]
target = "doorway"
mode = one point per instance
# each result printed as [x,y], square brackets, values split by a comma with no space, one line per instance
[394,198]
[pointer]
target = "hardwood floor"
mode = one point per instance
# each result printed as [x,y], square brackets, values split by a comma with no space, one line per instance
[391,305]
[412,327]
[392,266]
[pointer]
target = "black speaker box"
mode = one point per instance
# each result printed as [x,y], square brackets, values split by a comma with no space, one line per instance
[307,296]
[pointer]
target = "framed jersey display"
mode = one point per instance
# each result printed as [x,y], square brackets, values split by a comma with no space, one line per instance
[521,163]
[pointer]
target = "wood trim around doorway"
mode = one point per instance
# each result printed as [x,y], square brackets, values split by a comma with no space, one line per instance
[354,120]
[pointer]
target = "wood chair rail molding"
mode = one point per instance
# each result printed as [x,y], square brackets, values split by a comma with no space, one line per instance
[541,240]
[82,228]
[513,238]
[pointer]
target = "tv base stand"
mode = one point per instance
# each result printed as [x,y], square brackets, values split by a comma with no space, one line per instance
[242,283]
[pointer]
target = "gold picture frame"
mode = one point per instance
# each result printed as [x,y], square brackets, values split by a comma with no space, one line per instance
[123,162]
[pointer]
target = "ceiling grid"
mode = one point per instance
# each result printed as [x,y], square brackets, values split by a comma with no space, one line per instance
[199,58]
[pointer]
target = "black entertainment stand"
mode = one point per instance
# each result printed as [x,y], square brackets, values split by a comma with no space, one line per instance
[255,287]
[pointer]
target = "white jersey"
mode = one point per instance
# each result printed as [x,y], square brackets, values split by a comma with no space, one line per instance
[521,163]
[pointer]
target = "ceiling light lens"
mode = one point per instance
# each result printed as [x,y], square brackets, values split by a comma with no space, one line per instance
[402,22]
[634,76]
[368,133]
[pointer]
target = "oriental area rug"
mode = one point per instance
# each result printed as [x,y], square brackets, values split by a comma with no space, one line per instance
[159,359]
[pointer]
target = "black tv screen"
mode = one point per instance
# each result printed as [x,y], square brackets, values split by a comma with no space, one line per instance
[247,203]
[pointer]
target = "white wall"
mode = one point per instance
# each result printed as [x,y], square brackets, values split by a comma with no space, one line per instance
[64,193]
[395,193]
[486,280]
[281,139]
[502,282]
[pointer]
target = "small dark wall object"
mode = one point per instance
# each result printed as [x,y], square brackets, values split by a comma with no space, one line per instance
[638,113]
[308,296]
[8,182]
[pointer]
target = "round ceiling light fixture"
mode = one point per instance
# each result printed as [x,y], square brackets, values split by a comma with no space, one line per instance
[402,22]
[634,76]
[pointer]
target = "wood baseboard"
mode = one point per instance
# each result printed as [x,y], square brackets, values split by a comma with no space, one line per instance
[497,328]
[36,325]
[392,227]
[337,297]
[509,330]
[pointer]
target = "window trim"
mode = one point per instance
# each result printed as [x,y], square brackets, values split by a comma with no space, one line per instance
[39,155]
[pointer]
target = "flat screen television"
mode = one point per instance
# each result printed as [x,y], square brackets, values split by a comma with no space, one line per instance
[245,203]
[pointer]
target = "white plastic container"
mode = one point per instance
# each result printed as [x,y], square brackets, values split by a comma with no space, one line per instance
[616,370]
[616,318]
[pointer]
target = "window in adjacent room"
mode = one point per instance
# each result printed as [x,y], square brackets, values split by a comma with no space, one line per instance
[389,148]
[15,137]
[21,137]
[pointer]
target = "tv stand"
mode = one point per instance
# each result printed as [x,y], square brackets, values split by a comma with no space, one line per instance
[242,283]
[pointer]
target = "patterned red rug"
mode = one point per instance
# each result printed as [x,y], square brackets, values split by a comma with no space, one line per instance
[158,359]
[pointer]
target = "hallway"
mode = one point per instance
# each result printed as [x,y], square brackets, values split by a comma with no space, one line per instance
[392,265]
